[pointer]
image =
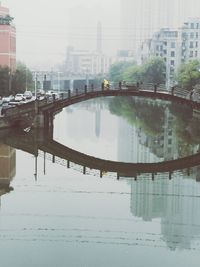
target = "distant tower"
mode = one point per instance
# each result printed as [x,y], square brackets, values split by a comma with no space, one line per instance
[99,37]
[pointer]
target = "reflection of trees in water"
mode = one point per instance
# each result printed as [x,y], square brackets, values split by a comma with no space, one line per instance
[187,128]
[150,117]
[145,114]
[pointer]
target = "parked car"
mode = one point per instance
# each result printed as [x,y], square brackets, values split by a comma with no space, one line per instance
[7,99]
[19,97]
[52,95]
[28,94]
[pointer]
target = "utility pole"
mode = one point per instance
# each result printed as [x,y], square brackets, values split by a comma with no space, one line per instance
[9,81]
[35,92]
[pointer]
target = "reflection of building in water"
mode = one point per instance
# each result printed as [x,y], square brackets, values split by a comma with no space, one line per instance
[130,144]
[75,125]
[165,144]
[97,122]
[176,202]
[195,173]
[145,202]
[134,145]
[7,167]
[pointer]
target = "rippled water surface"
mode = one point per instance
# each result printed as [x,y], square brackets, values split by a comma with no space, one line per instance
[52,215]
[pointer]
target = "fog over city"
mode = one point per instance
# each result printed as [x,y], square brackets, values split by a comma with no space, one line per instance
[45,28]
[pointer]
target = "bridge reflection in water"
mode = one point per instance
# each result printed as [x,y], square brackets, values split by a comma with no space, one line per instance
[40,141]
[160,198]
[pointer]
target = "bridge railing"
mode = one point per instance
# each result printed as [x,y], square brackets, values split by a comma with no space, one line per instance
[150,87]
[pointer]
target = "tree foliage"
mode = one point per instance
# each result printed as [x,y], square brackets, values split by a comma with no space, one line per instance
[22,78]
[153,71]
[15,82]
[133,74]
[4,80]
[188,74]
[117,69]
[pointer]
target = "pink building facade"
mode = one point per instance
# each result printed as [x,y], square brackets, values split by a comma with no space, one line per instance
[7,39]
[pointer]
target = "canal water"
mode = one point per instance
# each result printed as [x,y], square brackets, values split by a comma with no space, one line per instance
[52,215]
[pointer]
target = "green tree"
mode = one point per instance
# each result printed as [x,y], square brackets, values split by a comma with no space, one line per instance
[4,81]
[153,71]
[22,79]
[15,82]
[117,70]
[188,74]
[133,74]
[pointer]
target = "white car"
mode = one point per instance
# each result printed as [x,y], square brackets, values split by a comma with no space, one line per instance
[7,99]
[28,94]
[19,97]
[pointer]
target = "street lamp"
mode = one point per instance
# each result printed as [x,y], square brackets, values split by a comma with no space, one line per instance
[35,92]
[59,81]
[35,85]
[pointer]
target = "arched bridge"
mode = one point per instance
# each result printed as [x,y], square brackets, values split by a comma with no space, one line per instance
[35,141]
[40,112]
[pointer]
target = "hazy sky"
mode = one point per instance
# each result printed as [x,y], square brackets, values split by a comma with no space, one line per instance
[43,27]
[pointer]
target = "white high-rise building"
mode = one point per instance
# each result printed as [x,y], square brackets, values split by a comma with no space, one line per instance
[175,46]
[140,19]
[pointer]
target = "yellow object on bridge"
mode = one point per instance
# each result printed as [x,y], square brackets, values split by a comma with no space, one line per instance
[106,84]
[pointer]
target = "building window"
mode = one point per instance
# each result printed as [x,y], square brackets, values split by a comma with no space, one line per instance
[169,141]
[192,25]
[191,53]
[169,150]
[191,35]
[196,44]
[172,53]
[173,45]
[197,25]
[196,53]
[172,62]
[191,45]
[197,34]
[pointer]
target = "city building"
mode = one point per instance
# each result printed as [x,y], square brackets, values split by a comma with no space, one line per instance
[175,46]
[191,40]
[87,62]
[140,19]
[7,39]
[166,44]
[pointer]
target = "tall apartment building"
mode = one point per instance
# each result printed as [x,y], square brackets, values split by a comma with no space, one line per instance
[7,39]
[175,46]
[140,19]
